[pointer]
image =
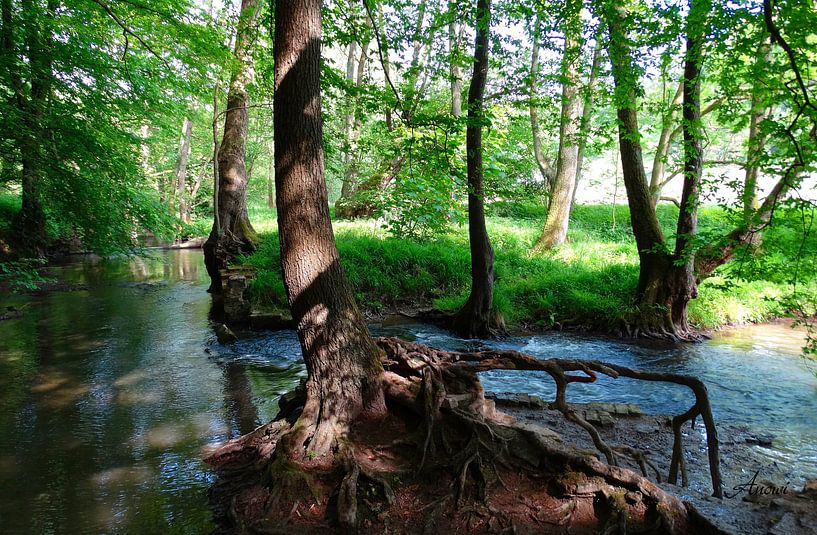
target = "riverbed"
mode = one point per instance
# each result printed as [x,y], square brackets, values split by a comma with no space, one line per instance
[112,385]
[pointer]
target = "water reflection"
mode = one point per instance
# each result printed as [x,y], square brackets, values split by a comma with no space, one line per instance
[111,388]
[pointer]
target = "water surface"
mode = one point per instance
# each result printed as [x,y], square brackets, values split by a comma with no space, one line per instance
[111,389]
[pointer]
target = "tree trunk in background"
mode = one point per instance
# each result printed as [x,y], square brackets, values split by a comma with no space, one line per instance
[355,72]
[30,222]
[181,169]
[665,139]
[477,319]
[757,139]
[232,233]
[348,188]
[545,168]
[454,43]
[664,290]
[587,111]
[341,358]
[684,285]
[561,194]
[271,177]
[654,263]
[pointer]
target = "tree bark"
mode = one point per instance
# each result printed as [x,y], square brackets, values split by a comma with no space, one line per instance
[587,111]
[454,43]
[477,318]
[757,139]
[668,133]
[341,358]
[666,281]
[545,168]
[271,177]
[347,188]
[561,193]
[655,264]
[181,169]
[684,287]
[232,233]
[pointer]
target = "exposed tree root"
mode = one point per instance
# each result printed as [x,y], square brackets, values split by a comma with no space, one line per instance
[445,459]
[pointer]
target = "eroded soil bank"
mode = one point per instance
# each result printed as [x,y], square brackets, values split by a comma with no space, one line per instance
[430,501]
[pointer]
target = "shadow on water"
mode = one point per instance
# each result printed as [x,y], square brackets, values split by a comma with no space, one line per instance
[113,387]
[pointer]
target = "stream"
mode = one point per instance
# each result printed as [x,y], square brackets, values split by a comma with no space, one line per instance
[112,386]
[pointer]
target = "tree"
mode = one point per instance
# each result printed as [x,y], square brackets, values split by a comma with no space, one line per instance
[561,192]
[341,358]
[665,282]
[78,80]
[181,169]
[545,167]
[32,98]
[232,233]
[477,318]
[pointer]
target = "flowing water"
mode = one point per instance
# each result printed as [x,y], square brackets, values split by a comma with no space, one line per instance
[113,386]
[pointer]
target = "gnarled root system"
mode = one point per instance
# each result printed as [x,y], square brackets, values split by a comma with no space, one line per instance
[445,460]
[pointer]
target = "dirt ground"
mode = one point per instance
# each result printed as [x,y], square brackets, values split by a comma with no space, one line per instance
[742,513]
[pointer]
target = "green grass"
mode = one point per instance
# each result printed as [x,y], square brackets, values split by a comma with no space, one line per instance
[9,206]
[589,281]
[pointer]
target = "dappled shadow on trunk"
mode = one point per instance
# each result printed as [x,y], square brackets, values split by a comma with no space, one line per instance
[443,459]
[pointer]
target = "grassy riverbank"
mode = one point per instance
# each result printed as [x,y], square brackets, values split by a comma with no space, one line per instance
[588,282]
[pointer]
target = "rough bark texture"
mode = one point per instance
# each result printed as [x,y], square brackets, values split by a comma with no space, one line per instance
[545,168]
[561,193]
[232,233]
[654,262]
[664,289]
[342,360]
[477,318]
[181,169]
[684,286]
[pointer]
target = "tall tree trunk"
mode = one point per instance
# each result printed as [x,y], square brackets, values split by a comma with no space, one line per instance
[684,287]
[654,262]
[757,139]
[232,233]
[355,72]
[587,111]
[663,290]
[477,318]
[341,358]
[545,168]
[561,193]
[181,169]
[347,188]
[30,222]
[454,43]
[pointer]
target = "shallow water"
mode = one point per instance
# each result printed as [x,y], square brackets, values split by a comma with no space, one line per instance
[111,391]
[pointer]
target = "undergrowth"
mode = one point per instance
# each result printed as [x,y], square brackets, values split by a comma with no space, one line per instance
[588,282]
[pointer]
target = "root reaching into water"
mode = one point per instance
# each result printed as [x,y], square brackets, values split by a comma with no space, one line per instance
[444,458]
